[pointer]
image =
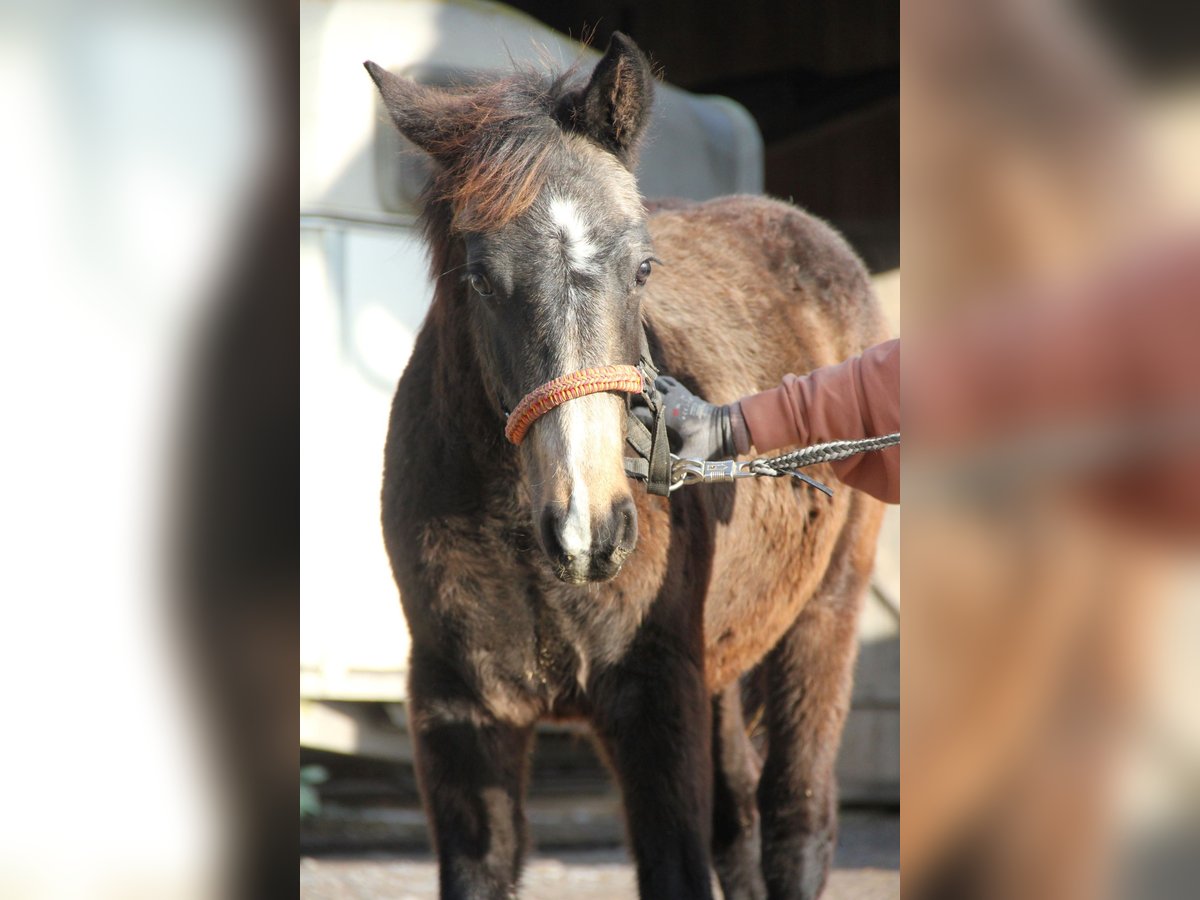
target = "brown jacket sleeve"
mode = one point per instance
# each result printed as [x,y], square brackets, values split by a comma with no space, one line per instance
[1104,374]
[854,399]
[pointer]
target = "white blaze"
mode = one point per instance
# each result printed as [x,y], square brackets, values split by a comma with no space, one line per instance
[577,528]
[579,251]
[570,231]
[574,233]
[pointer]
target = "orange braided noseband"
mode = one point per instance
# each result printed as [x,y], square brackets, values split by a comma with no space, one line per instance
[554,393]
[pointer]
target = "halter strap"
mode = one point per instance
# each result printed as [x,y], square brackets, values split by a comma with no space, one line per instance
[554,393]
[653,462]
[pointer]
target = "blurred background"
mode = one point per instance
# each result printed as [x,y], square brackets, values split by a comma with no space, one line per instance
[150,350]
[148,485]
[1050,192]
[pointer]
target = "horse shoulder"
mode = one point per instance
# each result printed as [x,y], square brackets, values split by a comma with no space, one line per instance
[795,258]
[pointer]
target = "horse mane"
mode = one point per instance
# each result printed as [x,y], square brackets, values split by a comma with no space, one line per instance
[492,149]
[493,143]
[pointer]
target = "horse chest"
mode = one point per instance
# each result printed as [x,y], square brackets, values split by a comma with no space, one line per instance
[527,644]
[489,605]
[515,650]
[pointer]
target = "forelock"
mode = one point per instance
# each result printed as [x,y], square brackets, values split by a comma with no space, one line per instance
[497,146]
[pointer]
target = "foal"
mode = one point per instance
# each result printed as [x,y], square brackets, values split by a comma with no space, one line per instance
[536,580]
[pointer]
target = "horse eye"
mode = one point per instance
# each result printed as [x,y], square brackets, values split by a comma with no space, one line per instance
[481,285]
[643,272]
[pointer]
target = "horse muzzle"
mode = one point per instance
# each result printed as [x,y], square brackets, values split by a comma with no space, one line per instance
[588,547]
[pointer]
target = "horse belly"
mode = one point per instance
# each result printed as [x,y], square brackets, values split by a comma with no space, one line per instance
[770,559]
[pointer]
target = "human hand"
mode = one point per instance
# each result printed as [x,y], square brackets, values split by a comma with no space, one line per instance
[696,429]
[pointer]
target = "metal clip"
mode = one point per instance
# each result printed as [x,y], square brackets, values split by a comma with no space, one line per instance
[702,471]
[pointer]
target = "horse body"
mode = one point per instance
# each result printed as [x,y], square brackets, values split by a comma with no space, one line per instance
[649,648]
[755,289]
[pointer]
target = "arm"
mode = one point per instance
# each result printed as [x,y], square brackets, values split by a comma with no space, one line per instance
[853,399]
[857,398]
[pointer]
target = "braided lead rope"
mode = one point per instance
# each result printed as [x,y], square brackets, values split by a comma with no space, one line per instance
[830,451]
[698,471]
[554,393]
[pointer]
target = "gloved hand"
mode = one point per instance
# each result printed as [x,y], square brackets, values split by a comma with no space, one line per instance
[697,429]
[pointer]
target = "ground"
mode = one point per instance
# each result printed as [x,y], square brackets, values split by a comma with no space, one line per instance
[867,869]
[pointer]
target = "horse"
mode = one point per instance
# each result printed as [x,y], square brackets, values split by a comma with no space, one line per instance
[538,580]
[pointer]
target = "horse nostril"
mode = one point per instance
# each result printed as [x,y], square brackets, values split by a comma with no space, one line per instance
[550,530]
[625,524]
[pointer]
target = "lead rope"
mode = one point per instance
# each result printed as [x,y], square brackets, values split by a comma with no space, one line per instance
[699,471]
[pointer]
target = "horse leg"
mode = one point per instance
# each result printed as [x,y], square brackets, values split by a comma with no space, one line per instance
[472,771]
[736,839]
[651,711]
[808,681]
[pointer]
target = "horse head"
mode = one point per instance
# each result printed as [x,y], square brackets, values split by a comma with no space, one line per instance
[535,182]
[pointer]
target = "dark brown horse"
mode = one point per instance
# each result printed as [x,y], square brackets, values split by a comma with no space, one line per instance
[539,581]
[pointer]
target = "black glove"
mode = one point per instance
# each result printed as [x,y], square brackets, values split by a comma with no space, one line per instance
[695,429]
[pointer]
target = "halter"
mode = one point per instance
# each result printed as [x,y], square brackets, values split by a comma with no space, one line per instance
[653,464]
[571,386]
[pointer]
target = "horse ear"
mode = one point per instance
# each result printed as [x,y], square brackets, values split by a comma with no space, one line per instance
[412,106]
[614,108]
